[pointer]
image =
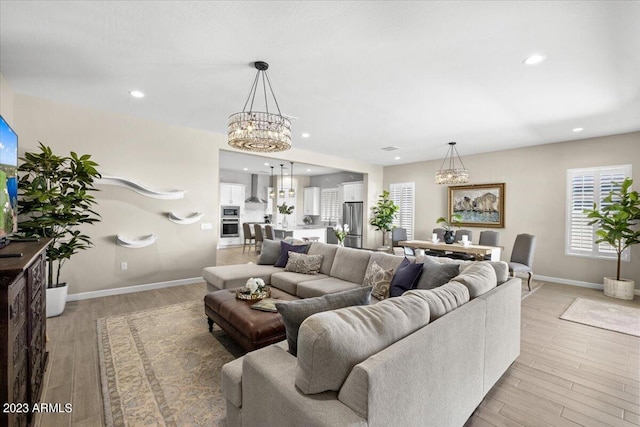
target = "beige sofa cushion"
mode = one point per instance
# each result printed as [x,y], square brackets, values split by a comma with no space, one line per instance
[331,343]
[235,276]
[288,281]
[442,299]
[328,253]
[350,264]
[317,288]
[386,261]
[479,278]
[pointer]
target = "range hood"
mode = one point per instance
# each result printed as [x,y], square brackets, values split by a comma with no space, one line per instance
[254,191]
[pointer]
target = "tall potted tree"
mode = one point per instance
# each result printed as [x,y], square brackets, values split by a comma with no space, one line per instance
[55,200]
[618,220]
[383,215]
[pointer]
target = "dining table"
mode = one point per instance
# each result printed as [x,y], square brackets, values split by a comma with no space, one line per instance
[477,250]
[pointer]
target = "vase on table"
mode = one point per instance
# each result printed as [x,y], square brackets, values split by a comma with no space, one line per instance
[285,222]
[449,237]
[341,243]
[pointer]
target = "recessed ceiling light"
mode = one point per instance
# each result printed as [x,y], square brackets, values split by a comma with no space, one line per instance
[266,163]
[396,158]
[305,135]
[136,94]
[578,129]
[534,59]
[308,170]
[245,169]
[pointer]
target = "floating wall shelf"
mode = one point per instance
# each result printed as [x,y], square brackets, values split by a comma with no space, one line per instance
[190,219]
[136,243]
[140,189]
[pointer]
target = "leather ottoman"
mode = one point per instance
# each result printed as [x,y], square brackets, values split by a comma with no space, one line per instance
[250,328]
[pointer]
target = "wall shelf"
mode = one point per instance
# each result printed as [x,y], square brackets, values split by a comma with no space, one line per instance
[190,219]
[140,189]
[136,243]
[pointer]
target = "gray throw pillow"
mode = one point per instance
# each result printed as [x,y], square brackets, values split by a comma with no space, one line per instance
[270,252]
[435,274]
[295,312]
[303,263]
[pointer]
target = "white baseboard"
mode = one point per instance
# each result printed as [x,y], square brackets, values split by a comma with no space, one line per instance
[574,282]
[130,289]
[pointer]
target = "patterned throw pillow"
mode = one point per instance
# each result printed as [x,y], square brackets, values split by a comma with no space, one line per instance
[380,279]
[302,263]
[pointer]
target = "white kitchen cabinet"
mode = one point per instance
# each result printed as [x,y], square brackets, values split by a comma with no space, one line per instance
[311,201]
[232,194]
[353,192]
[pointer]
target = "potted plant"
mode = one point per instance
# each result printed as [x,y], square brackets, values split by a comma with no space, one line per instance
[383,215]
[55,200]
[617,221]
[285,210]
[449,235]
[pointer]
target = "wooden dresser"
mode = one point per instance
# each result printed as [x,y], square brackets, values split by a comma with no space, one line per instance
[23,355]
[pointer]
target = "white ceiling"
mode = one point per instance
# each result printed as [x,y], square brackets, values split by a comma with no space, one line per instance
[359,76]
[252,164]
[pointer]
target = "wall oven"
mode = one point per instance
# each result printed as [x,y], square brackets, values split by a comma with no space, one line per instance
[230,221]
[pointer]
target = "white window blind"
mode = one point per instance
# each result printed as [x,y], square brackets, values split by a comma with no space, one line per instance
[584,188]
[403,195]
[329,204]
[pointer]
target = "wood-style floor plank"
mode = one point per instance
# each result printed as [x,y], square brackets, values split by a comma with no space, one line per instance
[567,375]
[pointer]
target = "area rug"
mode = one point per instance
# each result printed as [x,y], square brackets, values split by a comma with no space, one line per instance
[161,367]
[604,315]
[535,286]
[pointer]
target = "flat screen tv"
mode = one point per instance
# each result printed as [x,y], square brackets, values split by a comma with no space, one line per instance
[8,181]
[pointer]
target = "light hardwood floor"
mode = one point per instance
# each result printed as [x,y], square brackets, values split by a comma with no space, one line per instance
[567,374]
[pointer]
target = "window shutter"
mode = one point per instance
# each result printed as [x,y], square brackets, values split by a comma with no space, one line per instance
[584,188]
[329,204]
[403,195]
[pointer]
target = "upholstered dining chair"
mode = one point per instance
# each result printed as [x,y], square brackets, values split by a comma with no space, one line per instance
[398,234]
[439,232]
[522,256]
[458,255]
[258,239]
[249,237]
[489,238]
[268,232]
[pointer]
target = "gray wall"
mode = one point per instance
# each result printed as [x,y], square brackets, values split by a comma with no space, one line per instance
[535,199]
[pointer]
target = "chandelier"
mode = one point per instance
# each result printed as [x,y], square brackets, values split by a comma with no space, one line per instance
[452,175]
[261,131]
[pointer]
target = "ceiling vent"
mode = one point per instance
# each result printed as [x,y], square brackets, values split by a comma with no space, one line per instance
[390,148]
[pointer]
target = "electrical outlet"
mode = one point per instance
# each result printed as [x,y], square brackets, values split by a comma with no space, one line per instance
[206,226]
[123,265]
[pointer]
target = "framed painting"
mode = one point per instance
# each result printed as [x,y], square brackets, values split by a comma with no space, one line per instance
[479,205]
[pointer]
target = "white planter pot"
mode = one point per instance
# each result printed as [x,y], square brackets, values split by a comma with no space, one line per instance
[56,300]
[621,289]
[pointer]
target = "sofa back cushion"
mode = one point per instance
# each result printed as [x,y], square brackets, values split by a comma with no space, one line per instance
[295,312]
[350,264]
[501,268]
[436,274]
[442,299]
[328,253]
[331,343]
[479,278]
[386,261]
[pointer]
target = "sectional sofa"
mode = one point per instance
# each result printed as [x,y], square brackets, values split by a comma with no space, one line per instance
[426,358]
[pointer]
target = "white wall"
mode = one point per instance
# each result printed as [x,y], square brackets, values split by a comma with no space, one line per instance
[158,155]
[6,100]
[535,180]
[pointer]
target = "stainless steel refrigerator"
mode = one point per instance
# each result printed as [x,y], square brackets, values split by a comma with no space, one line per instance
[352,215]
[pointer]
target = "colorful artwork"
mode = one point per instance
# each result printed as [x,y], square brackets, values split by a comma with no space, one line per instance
[478,205]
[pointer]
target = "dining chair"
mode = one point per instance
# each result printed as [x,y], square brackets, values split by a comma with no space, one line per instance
[522,256]
[258,239]
[398,234]
[489,238]
[268,232]
[248,236]
[460,255]
[439,232]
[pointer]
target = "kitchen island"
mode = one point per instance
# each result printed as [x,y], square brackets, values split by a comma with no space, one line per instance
[302,231]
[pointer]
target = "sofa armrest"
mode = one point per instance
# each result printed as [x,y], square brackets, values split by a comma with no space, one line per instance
[231,384]
[270,397]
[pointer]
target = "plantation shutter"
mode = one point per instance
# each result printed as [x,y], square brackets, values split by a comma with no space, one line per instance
[584,188]
[403,195]
[329,204]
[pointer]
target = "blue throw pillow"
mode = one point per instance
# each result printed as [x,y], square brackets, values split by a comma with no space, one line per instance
[284,253]
[405,278]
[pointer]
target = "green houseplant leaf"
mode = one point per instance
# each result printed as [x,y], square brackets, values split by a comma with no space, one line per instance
[383,214]
[617,220]
[55,199]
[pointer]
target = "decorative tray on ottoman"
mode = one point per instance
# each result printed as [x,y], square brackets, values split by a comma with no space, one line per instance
[256,296]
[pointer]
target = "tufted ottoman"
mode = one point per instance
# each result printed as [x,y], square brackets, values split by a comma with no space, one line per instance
[250,328]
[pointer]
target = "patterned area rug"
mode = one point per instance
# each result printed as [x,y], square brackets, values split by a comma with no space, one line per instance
[614,317]
[161,367]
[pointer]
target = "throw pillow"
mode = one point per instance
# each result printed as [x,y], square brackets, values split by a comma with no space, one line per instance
[435,274]
[285,248]
[406,277]
[305,264]
[269,252]
[379,279]
[295,312]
